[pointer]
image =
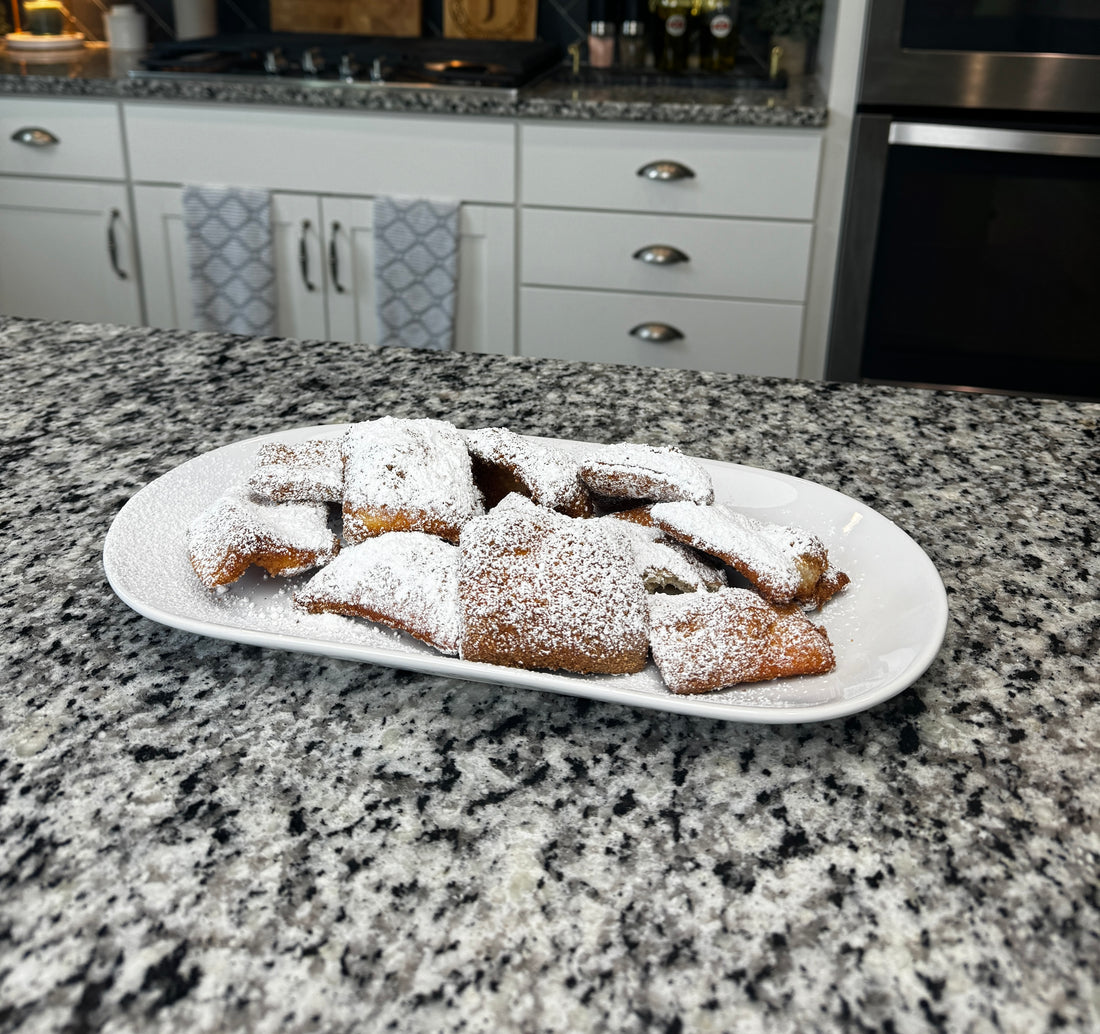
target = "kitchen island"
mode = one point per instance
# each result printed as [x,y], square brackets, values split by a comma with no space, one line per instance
[204,836]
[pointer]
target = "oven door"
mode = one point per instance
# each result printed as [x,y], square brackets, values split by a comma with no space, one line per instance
[969,258]
[1009,55]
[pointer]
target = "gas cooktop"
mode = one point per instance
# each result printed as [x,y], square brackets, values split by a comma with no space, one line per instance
[356,60]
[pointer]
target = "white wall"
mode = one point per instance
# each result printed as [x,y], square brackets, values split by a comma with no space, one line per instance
[839,52]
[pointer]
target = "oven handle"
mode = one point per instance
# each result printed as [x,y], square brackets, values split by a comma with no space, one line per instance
[983,138]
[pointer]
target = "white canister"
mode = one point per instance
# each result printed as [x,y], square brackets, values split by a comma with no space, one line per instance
[125,27]
[195,18]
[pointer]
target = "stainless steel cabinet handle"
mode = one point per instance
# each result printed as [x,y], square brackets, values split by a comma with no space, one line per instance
[661,255]
[303,256]
[34,136]
[657,333]
[665,171]
[333,259]
[112,245]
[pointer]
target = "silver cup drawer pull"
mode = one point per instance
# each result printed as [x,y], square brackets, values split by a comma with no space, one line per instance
[656,333]
[661,255]
[34,136]
[666,171]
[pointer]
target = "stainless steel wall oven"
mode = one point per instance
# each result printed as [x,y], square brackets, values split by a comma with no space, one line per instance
[970,246]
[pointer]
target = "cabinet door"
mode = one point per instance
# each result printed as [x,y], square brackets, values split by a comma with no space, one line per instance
[485,309]
[66,252]
[298,251]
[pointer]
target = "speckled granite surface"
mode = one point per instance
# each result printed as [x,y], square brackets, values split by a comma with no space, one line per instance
[199,836]
[101,73]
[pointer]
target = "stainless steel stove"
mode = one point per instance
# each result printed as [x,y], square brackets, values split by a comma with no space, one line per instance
[369,61]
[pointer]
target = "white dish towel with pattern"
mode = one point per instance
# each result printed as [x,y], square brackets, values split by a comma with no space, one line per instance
[231,259]
[416,271]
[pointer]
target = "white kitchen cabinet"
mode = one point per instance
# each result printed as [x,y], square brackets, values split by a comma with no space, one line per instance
[563,225]
[666,246]
[324,264]
[323,169]
[66,235]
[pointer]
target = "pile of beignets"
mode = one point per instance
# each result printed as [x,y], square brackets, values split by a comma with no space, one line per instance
[493,547]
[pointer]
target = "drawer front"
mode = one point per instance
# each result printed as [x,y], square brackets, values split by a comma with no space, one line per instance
[88,138]
[769,174]
[739,258]
[323,152]
[594,326]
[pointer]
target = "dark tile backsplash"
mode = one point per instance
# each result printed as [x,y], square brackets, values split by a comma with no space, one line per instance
[560,21]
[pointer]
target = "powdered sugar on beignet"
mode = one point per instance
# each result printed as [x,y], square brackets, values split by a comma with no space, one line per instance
[538,589]
[657,473]
[784,564]
[711,640]
[306,472]
[407,475]
[237,531]
[404,579]
[668,566]
[506,462]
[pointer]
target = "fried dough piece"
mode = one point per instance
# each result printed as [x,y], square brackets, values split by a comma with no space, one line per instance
[712,640]
[406,475]
[237,531]
[656,473]
[505,462]
[666,565]
[538,589]
[307,472]
[784,564]
[406,580]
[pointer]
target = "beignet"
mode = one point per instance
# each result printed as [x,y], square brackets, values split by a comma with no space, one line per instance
[712,640]
[538,589]
[784,564]
[406,475]
[406,580]
[506,462]
[307,472]
[237,531]
[655,473]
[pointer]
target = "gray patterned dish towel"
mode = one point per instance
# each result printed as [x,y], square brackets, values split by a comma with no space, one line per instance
[415,271]
[231,257]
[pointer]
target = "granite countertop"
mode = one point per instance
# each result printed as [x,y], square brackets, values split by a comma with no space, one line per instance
[201,836]
[98,72]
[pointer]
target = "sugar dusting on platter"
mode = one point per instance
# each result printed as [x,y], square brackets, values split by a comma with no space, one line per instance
[886,626]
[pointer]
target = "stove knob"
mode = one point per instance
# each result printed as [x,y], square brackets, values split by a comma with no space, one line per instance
[313,61]
[274,61]
[348,69]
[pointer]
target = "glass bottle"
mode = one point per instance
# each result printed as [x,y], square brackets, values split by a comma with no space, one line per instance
[632,36]
[673,43]
[718,38]
[601,34]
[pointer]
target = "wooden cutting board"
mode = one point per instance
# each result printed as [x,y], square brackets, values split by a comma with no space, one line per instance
[355,17]
[490,19]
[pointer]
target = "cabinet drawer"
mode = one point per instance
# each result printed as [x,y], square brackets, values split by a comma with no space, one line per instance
[729,336]
[323,152]
[88,134]
[757,173]
[726,257]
